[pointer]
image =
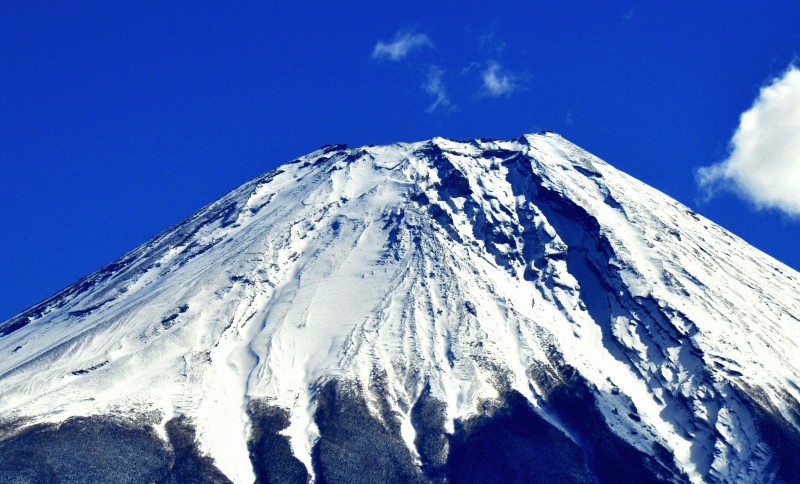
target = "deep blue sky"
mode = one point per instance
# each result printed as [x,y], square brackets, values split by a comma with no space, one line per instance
[118,119]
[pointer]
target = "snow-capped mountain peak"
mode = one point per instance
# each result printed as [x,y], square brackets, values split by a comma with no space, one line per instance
[431,289]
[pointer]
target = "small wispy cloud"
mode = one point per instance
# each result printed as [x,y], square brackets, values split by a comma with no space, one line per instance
[628,16]
[435,87]
[497,82]
[470,67]
[491,43]
[402,44]
[764,162]
[568,118]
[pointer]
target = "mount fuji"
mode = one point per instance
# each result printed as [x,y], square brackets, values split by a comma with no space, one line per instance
[440,311]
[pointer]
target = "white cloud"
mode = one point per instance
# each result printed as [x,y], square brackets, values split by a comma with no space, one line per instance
[568,118]
[435,87]
[498,83]
[401,45]
[764,161]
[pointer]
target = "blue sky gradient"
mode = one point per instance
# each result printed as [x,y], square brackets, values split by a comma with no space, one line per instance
[119,119]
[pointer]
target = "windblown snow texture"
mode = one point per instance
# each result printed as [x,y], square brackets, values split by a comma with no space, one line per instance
[441,311]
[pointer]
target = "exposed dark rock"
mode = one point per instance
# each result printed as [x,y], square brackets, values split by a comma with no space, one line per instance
[83,312]
[84,371]
[471,308]
[14,324]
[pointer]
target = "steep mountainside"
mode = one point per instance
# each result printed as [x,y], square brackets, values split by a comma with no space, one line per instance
[444,310]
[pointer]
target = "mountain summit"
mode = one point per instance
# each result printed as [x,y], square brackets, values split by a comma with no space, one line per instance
[462,311]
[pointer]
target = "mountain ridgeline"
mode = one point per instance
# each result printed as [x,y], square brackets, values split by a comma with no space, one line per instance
[441,311]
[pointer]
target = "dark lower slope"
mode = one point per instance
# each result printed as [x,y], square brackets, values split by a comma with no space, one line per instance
[510,443]
[101,450]
[778,433]
[354,445]
[514,445]
[270,452]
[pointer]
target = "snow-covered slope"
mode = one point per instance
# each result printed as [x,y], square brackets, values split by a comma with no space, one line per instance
[458,271]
